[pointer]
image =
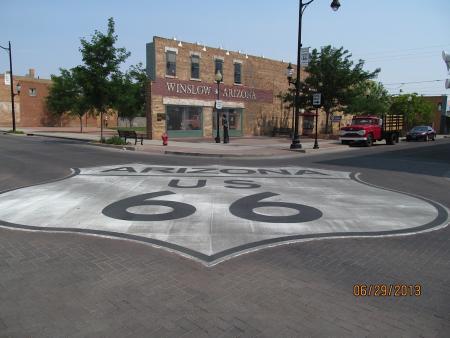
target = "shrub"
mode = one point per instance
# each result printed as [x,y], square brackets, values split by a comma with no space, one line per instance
[116,140]
[20,132]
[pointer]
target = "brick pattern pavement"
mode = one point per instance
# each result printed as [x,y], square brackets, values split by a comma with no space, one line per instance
[72,285]
[55,285]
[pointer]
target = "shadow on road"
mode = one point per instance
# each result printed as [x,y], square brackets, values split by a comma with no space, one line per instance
[423,159]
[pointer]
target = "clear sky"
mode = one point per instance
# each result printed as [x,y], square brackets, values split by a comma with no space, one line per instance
[404,38]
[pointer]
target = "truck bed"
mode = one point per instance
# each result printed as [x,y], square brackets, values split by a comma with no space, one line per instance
[392,123]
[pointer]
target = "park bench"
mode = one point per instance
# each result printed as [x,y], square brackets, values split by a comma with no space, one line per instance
[281,131]
[131,134]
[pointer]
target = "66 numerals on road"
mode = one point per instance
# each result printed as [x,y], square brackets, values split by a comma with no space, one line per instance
[242,208]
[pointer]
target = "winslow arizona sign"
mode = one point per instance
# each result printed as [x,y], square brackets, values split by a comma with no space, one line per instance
[214,213]
[205,91]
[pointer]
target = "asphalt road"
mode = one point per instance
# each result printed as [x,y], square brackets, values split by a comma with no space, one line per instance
[57,284]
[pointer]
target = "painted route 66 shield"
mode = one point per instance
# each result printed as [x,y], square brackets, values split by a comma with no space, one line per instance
[213,213]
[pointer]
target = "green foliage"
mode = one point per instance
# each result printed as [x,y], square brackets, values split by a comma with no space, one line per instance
[98,85]
[130,93]
[101,66]
[368,98]
[18,132]
[288,98]
[66,95]
[115,140]
[333,73]
[416,109]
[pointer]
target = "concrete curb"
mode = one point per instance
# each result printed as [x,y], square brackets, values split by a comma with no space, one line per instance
[60,137]
[90,142]
[182,153]
[114,146]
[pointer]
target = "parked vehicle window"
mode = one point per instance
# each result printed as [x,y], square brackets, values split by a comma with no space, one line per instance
[419,129]
[359,122]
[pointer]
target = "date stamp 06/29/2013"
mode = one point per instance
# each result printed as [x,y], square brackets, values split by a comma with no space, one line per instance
[387,290]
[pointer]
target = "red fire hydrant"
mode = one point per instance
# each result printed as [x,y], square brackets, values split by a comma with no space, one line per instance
[165,139]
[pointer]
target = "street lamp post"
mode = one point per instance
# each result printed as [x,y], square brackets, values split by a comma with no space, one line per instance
[296,138]
[218,79]
[317,102]
[13,112]
[289,75]
[409,112]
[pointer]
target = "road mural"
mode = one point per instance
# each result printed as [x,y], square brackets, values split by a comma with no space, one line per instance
[213,213]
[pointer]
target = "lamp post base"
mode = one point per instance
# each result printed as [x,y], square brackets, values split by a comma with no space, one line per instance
[296,144]
[217,139]
[316,146]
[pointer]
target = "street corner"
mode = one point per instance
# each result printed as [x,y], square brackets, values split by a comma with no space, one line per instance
[213,213]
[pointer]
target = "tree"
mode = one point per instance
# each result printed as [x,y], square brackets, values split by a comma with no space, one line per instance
[288,97]
[130,93]
[66,96]
[416,109]
[369,98]
[332,73]
[101,65]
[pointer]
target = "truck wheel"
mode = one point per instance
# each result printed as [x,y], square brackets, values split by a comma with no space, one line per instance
[369,141]
[390,139]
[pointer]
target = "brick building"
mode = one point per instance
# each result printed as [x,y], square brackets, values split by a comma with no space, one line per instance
[182,91]
[30,105]
[441,105]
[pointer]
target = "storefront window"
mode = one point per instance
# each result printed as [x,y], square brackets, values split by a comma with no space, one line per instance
[234,117]
[183,118]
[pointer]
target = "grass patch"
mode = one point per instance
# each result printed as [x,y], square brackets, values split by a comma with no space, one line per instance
[18,132]
[116,140]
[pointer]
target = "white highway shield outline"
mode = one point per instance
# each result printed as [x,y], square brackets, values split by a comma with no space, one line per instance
[212,233]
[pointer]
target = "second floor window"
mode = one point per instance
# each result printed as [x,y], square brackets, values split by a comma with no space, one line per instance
[237,73]
[195,67]
[171,63]
[219,67]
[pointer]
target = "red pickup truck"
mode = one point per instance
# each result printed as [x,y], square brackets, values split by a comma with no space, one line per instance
[368,129]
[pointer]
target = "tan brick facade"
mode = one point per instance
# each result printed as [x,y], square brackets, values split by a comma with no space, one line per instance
[263,77]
